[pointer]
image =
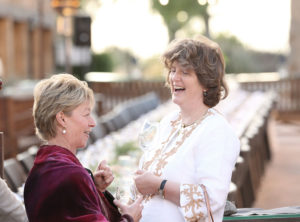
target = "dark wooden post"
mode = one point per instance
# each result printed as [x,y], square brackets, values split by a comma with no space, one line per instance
[1,155]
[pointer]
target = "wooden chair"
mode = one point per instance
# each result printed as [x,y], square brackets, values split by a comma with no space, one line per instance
[97,132]
[151,101]
[107,122]
[246,175]
[26,160]
[238,177]
[118,120]
[135,109]
[33,150]
[14,174]
[19,126]
[235,195]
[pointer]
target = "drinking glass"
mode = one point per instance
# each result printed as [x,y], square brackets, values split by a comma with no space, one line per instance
[147,134]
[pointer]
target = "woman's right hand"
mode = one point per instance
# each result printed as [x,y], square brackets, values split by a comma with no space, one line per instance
[134,210]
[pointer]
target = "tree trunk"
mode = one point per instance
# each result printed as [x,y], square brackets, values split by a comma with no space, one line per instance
[206,22]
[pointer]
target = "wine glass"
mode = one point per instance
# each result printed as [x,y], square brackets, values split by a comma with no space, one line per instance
[127,192]
[147,134]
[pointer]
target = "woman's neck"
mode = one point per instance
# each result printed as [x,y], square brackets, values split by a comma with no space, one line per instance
[192,114]
[61,142]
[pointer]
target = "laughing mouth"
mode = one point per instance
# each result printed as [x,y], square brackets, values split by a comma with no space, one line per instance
[178,89]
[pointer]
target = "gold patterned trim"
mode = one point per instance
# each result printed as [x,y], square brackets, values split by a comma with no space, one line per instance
[190,191]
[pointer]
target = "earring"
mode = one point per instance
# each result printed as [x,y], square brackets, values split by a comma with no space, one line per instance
[64,131]
[204,93]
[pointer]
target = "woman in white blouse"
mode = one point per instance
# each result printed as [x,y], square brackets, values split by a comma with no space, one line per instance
[196,148]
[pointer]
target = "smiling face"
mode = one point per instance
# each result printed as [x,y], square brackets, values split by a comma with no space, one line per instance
[78,125]
[185,87]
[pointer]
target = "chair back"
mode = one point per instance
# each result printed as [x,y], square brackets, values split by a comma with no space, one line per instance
[14,174]
[33,150]
[26,160]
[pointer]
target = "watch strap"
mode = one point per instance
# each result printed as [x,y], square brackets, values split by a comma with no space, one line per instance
[161,188]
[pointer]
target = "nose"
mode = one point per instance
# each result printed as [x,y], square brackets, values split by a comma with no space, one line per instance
[92,122]
[175,76]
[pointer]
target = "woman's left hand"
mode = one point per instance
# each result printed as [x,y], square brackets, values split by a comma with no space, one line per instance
[103,176]
[146,182]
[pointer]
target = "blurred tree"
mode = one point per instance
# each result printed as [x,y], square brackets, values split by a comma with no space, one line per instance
[153,68]
[102,62]
[124,61]
[178,13]
[240,59]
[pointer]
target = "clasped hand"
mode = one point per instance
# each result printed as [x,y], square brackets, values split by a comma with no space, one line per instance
[146,182]
[103,176]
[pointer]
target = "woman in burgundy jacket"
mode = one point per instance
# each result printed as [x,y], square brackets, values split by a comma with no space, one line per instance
[58,188]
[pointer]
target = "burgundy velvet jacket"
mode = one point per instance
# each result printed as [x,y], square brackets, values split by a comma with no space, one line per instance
[58,189]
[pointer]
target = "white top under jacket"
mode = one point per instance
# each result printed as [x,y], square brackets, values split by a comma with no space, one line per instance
[11,209]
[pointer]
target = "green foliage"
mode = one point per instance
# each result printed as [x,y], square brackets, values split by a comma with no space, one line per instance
[124,60]
[237,58]
[240,59]
[126,148]
[102,63]
[170,11]
[80,71]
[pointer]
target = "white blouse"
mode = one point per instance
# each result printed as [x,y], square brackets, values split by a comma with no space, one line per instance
[202,153]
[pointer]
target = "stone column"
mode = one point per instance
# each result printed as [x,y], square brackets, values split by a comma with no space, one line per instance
[7,47]
[294,58]
[21,49]
[36,56]
[48,51]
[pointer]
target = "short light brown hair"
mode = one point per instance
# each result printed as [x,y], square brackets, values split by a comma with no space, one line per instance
[61,92]
[205,57]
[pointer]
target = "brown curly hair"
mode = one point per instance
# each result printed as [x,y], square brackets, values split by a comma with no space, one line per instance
[205,57]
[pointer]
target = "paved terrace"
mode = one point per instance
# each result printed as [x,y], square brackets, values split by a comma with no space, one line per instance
[280,184]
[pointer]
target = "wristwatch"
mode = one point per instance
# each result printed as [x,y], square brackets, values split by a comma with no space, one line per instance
[161,191]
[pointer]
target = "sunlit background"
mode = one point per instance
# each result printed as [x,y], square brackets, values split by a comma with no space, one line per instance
[129,36]
[116,46]
[131,24]
[254,35]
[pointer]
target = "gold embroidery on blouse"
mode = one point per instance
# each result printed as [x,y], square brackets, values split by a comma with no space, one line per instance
[160,156]
[174,125]
[181,132]
[189,192]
